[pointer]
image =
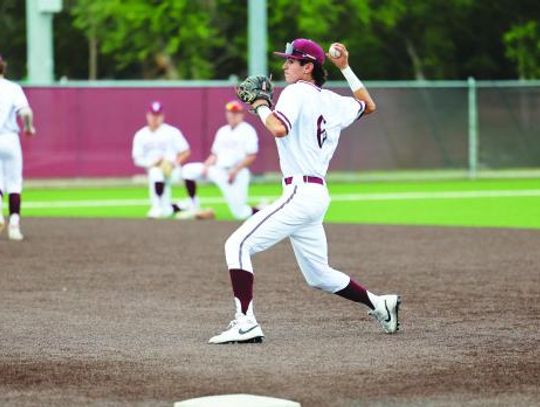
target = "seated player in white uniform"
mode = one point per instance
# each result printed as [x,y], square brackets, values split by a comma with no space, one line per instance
[161,149]
[13,103]
[234,149]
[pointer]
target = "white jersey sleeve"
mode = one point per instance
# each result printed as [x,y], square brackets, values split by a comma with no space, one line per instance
[137,151]
[348,108]
[251,144]
[180,143]
[288,106]
[20,100]
[218,141]
[12,100]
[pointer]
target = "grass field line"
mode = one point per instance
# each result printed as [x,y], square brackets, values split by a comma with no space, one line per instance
[389,196]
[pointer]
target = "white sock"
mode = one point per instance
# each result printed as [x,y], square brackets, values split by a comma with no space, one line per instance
[373,298]
[14,219]
[239,314]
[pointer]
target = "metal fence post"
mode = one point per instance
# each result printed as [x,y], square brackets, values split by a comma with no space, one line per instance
[473,129]
[257,37]
[39,33]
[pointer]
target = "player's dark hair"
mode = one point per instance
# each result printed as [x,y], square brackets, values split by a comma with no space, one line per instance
[319,73]
[3,66]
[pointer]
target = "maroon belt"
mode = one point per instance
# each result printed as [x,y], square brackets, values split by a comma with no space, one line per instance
[306,178]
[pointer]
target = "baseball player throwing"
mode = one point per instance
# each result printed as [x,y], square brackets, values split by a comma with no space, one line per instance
[233,151]
[13,102]
[161,149]
[306,123]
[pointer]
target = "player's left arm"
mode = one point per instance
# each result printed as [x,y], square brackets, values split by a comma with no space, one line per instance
[182,157]
[181,146]
[257,91]
[245,163]
[27,116]
[359,90]
[270,121]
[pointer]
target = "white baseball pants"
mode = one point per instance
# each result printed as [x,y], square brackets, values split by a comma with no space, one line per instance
[164,201]
[235,194]
[298,214]
[11,163]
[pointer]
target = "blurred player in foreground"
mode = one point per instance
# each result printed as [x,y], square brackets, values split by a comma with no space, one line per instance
[306,124]
[234,149]
[13,102]
[161,149]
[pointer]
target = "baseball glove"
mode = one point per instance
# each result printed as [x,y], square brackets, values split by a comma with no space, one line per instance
[255,87]
[167,167]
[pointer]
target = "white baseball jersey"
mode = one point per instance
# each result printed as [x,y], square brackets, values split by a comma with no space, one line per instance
[232,145]
[151,146]
[314,118]
[12,99]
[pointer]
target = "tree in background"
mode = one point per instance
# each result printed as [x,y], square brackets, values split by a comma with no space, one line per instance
[172,39]
[13,36]
[207,39]
[523,47]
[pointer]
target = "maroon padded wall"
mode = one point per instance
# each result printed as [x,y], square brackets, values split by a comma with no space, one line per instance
[87,132]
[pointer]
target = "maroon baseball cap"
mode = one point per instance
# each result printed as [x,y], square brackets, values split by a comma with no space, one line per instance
[155,108]
[302,48]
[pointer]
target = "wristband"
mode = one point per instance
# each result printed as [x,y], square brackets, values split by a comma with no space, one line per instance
[263,111]
[352,79]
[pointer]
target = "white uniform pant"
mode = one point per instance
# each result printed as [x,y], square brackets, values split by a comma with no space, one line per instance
[235,194]
[297,214]
[11,164]
[164,202]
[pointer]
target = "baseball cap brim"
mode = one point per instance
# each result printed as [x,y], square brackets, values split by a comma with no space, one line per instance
[293,56]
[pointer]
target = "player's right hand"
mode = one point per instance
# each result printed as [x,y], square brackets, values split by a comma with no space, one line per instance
[232,175]
[205,171]
[29,132]
[342,61]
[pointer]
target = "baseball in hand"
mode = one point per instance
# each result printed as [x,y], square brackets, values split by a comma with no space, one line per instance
[334,52]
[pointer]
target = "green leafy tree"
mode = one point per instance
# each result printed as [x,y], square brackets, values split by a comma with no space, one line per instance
[13,37]
[522,43]
[169,38]
[387,38]
[207,39]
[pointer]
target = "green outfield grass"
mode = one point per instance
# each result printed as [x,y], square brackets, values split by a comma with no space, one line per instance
[481,203]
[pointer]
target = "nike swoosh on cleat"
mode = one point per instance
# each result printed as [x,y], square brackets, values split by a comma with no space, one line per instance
[242,332]
[387,313]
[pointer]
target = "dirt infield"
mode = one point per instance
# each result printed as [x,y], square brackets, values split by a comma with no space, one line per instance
[118,312]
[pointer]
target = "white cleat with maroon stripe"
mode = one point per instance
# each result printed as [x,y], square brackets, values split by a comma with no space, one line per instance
[387,312]
[242,329]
